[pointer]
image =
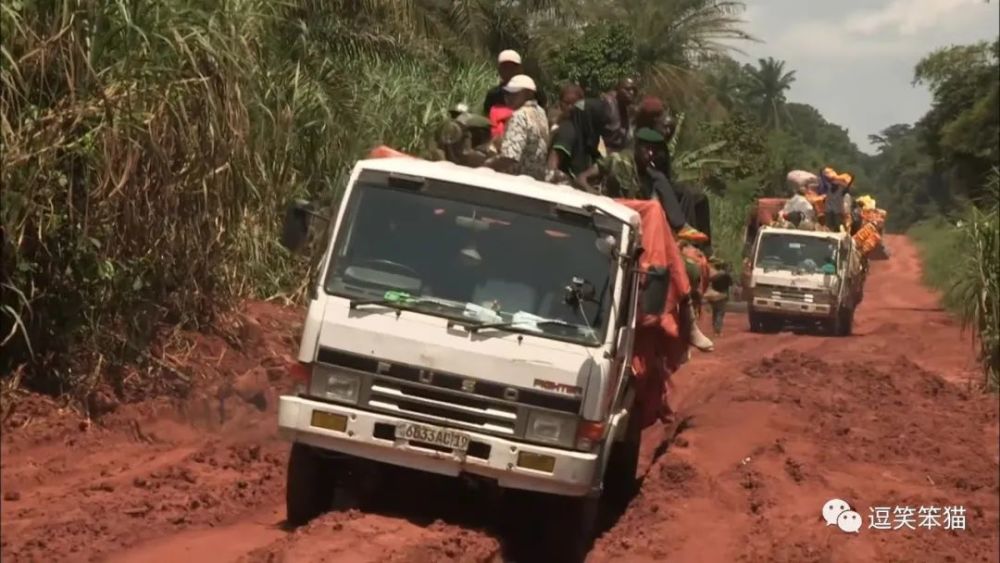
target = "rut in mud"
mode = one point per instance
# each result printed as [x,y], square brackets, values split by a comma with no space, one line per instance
[770,427]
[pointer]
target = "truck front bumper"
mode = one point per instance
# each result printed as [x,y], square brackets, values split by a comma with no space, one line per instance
[364,434]
[791,308]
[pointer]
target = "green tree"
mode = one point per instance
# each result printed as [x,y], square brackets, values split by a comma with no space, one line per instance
[596,56]
[905,183]
[962,129]
[745,145]
[766,90]
[673,37]
[727,83]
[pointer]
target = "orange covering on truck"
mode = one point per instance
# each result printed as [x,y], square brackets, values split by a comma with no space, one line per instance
[659,348]
[768,209]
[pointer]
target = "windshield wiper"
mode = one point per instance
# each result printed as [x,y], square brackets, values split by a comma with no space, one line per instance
[401,303]
[474,328]
[516,326]
[381,302]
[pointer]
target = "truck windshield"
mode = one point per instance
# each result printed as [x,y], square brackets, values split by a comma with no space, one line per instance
[453,256]
[805,254]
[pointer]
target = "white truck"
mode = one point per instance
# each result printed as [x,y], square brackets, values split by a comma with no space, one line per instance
[469,323]
[803,276]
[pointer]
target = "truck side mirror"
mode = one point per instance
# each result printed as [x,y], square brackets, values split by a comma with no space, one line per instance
[295,230]
[654,295]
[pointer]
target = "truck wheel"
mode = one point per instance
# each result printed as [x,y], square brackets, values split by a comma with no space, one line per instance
[756,322]
[847,323]
[550,528]
[619,478]
[834,325]
[572,523]
[309,485]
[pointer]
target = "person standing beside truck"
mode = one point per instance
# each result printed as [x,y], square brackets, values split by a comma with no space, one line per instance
[719,285]
[525,142]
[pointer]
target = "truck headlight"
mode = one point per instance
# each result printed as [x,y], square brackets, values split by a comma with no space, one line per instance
[335,385]
[551,428]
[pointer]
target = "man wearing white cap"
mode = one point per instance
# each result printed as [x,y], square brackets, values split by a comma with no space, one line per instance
[524,146]
[508,66]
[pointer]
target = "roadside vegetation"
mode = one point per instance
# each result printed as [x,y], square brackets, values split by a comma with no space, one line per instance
[939,179]
[149,147]
[961,258]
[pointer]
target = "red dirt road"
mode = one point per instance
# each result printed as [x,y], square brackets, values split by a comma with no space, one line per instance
[771,427]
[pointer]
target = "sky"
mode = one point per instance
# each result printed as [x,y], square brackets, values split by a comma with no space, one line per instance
[854,59]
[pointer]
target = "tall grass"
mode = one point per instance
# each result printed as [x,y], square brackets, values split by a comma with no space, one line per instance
[729,214]
[962,258]
[977,284]
[150,146]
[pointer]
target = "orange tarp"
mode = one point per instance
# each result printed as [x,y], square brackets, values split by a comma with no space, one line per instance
[383,151]
[659,348]
[768,209]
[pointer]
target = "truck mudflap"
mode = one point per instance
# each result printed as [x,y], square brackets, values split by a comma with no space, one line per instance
[373,436]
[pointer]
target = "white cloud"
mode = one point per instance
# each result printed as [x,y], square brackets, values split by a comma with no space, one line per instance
[909,17]
[816,40]
[854,59]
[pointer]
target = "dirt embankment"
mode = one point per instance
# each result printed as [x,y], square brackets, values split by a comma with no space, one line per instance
[771,427]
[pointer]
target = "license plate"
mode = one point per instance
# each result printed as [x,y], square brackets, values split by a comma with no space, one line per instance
[430,435]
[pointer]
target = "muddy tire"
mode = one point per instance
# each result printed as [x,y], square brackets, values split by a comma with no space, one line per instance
[620,483]
[572,523]
[309,485]
[835,324]
[550,528]
[847,322]
[761,323]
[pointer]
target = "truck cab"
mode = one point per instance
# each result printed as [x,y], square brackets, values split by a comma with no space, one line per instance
[803,276]
[467,323]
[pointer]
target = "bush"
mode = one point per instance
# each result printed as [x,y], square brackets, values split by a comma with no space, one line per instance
[149,149]
[977,285]
[596,57]
[963,260]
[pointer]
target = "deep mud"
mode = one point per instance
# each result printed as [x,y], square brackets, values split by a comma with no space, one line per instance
[769,428]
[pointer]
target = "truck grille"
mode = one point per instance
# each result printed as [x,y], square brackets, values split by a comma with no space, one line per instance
[790,294]
[427,402]
[446,398]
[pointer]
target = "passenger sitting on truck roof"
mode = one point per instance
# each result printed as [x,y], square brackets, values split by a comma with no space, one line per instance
[575,141]
[652,166]
[524,146]
[465,138]
[618,127]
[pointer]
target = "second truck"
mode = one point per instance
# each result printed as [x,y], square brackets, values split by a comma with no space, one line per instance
[803,277]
